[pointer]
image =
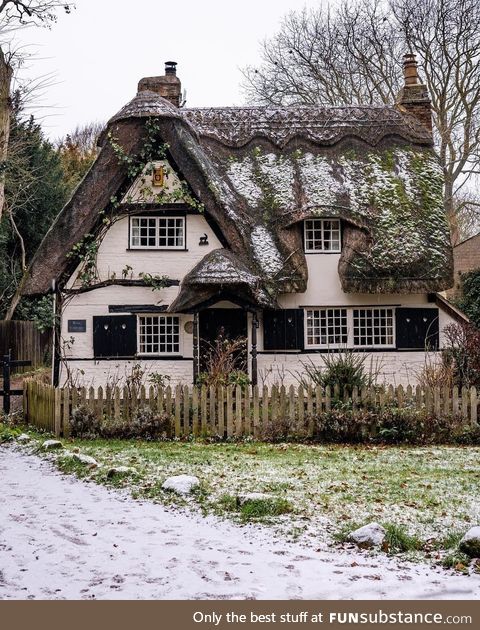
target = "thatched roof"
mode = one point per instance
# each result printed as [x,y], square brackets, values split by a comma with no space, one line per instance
[221,271]
[260,171]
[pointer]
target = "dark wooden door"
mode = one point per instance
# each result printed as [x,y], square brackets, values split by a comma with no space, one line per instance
[216,324]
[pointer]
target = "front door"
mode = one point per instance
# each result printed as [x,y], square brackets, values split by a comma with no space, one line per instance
[217,325]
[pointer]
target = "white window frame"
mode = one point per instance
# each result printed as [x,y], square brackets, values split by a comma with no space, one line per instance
[158,316]
[350,328]
[320,225]
[371,309]
[329,311]
[157,221]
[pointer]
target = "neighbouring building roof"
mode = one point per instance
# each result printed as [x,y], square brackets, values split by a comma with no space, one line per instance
[260,171]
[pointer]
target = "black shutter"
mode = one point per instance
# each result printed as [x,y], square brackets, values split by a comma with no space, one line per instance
[417,328]
[283,329]
[115,336]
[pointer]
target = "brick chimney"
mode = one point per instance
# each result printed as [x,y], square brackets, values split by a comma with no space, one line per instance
[413,97]
[168,86]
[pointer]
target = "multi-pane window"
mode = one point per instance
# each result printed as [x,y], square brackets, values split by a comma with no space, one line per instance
[327,327]
[373,327]
[322,235]
[157,232]
[159,334]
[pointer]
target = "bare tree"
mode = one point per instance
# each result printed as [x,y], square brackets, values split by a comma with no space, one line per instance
[353,54]
[12,14]
[6,72]
[32,11]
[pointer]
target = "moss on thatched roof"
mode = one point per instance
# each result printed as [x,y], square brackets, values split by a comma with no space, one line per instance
[259,172]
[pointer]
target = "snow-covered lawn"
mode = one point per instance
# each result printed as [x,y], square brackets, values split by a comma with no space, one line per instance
[61,537]
[430,494]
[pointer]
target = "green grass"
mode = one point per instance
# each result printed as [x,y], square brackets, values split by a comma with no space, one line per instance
[321,492]
[398,540]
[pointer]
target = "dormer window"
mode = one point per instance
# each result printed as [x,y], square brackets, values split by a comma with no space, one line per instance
[322,235]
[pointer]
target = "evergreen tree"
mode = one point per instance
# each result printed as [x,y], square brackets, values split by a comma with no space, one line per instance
[35,191]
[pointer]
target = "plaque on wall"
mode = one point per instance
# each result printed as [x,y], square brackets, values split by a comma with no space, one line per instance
[77,325]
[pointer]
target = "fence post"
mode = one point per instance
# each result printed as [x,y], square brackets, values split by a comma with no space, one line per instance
[195,410]
[57,393]
[221,411]
[229,411]
[66,412]
[178,409]
[186,411]
[473,405]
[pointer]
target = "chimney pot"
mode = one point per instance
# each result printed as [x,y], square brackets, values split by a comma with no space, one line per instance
[410,70]
[414,97]
[171,67]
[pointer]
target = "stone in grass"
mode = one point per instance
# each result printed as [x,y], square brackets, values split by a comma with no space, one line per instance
[85,459]
[50,445]
[120,470]
[23,437]
[249,497]
[470,543]
[371,535]
[181,484]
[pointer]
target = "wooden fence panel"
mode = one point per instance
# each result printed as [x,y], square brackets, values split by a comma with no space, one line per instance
[26,343]
[232,411]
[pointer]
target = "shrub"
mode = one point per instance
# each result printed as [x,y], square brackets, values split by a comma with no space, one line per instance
[224,359]
[148,425]
[391,425]
[462,353]
[435,373]
[84,423]
[145,424]
[347,369]
[283,429]
[470,301]
[159,380]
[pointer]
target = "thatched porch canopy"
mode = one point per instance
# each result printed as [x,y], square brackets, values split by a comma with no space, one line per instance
[221,274]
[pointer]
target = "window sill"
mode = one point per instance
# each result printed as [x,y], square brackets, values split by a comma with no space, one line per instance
[322,252]
[164,357]
[156,249]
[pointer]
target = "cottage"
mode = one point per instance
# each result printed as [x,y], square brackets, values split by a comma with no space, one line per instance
[305,230]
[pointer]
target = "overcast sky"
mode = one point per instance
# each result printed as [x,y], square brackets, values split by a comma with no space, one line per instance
[99,52]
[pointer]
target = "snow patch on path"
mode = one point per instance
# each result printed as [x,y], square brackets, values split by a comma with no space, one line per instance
[62,538]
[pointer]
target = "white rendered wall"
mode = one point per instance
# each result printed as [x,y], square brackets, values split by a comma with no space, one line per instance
[396,368]
[324,289]
[114,253]
[113,372]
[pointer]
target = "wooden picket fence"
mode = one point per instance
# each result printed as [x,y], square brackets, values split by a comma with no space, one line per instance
[233,411]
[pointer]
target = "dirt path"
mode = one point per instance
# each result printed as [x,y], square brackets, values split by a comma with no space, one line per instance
[64,538]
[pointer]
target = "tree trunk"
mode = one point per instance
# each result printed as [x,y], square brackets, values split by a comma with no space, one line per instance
[5,108]
[450,209]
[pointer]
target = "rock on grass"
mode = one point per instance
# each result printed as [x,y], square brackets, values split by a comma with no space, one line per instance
[120,470]
[181,484]
[371,535]
[23,437]
[85,459]
[470,543]
[50,445]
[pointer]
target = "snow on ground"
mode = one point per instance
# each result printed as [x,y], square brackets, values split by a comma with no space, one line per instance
[64,538]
